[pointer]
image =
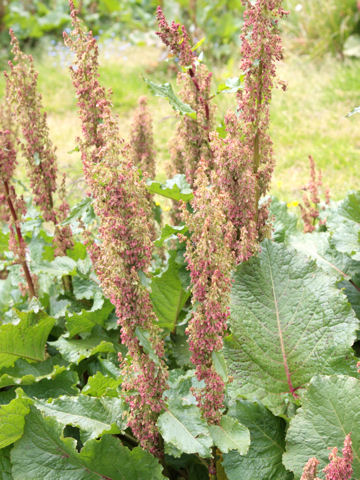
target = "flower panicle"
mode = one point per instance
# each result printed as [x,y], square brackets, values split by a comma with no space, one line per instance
[142,151]
[244,158]
[210,261]
[22,93]
[310,208]
[191,141]
[121,203]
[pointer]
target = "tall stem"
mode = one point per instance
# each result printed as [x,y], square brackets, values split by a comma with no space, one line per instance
[21,242]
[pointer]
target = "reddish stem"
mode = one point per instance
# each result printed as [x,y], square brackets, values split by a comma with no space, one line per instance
[20,241]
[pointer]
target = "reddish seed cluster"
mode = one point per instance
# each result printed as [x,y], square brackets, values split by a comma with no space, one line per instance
[245,157]
[311,198]
[37,146]
[191,141]
[339,468]
[121,203]
[210,262]
[142,151]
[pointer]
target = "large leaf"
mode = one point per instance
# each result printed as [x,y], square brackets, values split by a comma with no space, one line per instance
[95,416]
[43,452]
[63,384]
[175,188]
[5,465]
[26,339]
[343,222]
[25,373]
[288,323]
[184,429]
[165,90]
[58,267]
[12,419]
[267,433]
[168,295]
[319,246]
[230,435]
[330,410]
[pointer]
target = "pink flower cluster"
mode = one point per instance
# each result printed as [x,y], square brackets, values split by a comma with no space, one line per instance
[142,151]
[37,146]
[245,158]
[191,141]
[311,198]
[210,262]
[339,468]
[121,203]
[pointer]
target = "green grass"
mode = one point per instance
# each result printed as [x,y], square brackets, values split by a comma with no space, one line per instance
[308,119]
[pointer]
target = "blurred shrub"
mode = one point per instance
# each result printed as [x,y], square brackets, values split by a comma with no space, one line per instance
[320,26]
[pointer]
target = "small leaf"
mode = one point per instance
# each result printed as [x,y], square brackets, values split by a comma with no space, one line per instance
[166,91]
[168,295]
[12,420]
[230,435]
[26,339]
[219,363]
[59,267]
[37,159]
[198,44]
[175,188]
[94,416]
[100,385]
[169,232]
[143,337]
[82,211]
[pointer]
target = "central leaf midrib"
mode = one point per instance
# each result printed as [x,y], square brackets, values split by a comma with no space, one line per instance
[281,339]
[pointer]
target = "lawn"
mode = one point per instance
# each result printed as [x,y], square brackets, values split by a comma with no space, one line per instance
[308,119]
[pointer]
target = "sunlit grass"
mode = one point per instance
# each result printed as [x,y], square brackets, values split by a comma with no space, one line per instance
[308,119]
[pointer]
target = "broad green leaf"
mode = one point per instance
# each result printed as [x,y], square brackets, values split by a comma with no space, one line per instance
[352,293]
[165,90]
[82,211]
[184,429]
[267,434]
[58,267]
[330,410]
[144,339]
[318,246]
[94,416]
[284,222]
[168,295]
[12,420]
[84,288]
[76,350]
[100,385]
[86,320]
[5,465]
[170,232]
[25,373]
[230,435]
[288,322]
[63,384]
[175,188]
[219,363]
[26,339]
[343,221]
[43,452]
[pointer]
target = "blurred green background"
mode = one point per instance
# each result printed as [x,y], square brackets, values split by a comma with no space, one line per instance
[321,68]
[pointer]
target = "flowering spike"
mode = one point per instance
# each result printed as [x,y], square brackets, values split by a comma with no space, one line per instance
[142,151]
[310,469]
[245,157]
[37,146]
[210,262]
[311,198]
[340,468]
[121,203]
[191,141]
